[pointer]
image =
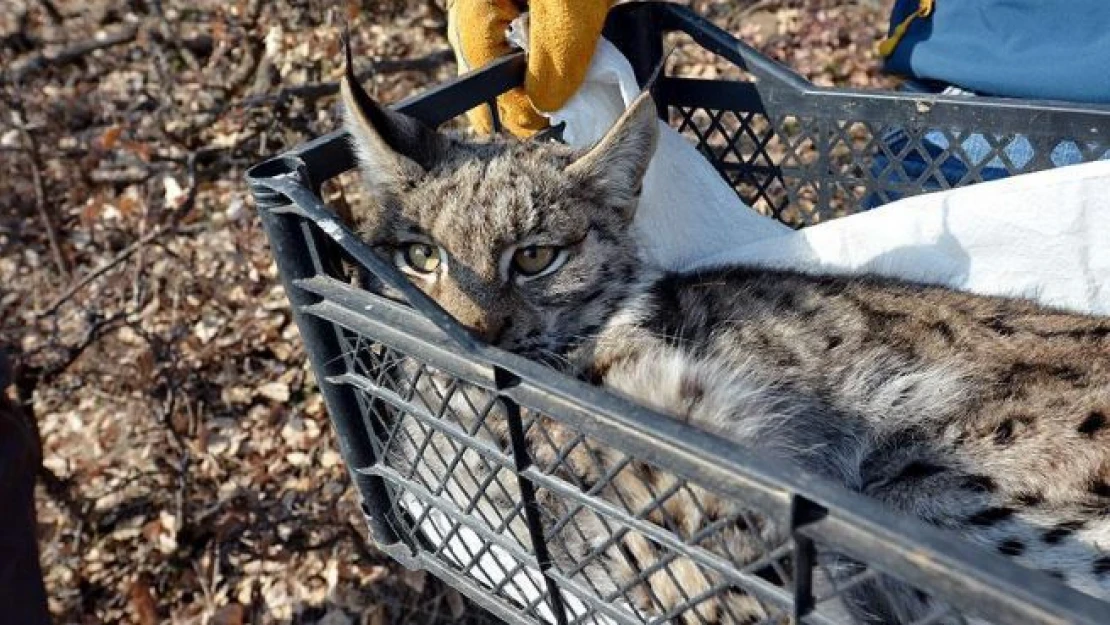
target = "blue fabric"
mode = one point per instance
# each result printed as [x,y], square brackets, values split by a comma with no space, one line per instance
[1034,49]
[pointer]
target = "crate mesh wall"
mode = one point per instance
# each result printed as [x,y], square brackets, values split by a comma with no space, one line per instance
[805,169]
[806,157]
[460,498]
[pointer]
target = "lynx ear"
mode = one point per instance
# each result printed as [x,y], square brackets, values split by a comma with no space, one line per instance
[616,165]
[391,147]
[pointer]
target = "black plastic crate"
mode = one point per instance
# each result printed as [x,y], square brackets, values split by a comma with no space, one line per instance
[433,423]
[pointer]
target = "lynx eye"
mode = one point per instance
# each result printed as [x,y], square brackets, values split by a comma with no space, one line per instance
[420,257]
[535,260]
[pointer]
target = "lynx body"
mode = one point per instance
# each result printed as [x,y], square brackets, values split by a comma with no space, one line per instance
[986,416]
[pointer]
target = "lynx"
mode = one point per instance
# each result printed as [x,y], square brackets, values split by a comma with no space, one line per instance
[985,416]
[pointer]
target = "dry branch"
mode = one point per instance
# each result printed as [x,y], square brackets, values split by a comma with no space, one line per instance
[25,379]
[94,333]
[184,207]
[123,255]
[52,11]
[35,158]
[311,91]
[171,35]
[73,53]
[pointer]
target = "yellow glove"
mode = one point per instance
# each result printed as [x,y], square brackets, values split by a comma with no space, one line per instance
[562,37]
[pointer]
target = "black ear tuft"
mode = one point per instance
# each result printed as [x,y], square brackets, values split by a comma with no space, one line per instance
[391,146]
[348,61]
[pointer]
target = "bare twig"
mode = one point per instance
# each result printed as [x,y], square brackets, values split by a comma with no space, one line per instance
[35,159]
[52,11]
[105,267]
[359,543]
[44,213]
[311,91]
[183,207]
[761,5]
[123,176]
[170,34]
[94,332]
[26,378]
[74,53]
[252,56]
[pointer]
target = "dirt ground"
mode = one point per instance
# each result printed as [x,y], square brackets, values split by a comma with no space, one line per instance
[190,474]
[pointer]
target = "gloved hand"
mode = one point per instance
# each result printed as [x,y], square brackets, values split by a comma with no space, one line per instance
[562,37]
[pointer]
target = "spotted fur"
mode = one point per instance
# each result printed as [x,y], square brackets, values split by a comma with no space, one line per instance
[982,415]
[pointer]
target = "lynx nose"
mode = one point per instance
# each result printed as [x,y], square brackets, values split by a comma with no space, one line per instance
[480,311]
[490,329]
[487,326]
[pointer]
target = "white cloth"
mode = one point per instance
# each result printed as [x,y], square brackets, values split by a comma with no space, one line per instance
[1044,236]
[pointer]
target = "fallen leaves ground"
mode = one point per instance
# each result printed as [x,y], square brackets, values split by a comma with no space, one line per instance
[190,474]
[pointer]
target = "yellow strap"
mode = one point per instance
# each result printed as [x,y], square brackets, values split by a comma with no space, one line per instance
[887,46]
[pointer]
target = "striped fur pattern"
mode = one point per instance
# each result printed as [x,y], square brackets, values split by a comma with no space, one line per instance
[986,416]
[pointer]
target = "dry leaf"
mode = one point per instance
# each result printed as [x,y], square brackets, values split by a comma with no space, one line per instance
[374,616]
[230,614]
[151,530]
[217,443]
[456,604]
[298,458]
[127,204]
[143,607]
[145,362]
[329,459]
[110,137]
[92,211]
[236,395]
[207,328]
[168,520]
[140,149]
[376,573]
[276,391]
[414,579]
[173,191]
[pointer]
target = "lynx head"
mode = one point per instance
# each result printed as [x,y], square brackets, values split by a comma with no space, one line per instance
[525,243]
